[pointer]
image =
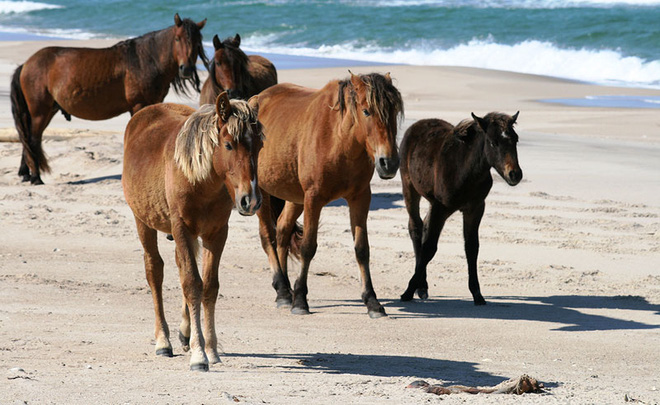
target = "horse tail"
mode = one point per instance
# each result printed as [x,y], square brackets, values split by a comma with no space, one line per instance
[277,206]
[23,121]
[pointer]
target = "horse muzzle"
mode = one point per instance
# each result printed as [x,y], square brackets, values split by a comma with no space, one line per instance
[186,71]
[513,177]
[387,166]
[249,204]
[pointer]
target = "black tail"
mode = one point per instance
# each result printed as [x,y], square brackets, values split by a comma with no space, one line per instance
[32,151]
[277,206]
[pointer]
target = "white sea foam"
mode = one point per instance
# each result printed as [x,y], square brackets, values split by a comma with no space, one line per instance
[526,4]
[532,57]
[9,7]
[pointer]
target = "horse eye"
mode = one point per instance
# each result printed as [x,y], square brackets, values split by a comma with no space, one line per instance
[177,39]
[228,146]
[365,112]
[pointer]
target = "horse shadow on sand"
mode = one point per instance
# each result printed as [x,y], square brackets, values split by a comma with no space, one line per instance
[374,365]
[379,201]
[571,313]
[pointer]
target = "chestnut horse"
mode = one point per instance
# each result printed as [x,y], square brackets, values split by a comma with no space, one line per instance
[231,70]
[450,167]
[97,84]
[322,145]
[183,170]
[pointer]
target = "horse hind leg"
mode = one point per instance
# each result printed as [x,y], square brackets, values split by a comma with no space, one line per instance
[268,237]
[153,265]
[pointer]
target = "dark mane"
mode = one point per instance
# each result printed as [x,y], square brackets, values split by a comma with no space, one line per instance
[382,97]
[141,51]
[238,59]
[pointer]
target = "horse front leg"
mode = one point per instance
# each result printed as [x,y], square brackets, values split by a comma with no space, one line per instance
[267,234]
[312,213]
[192,286]
[211,258]
[415,230]
[432,227]
[359,210]
[153,265]
[471,220]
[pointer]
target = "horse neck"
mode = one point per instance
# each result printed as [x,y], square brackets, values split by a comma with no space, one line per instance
[474,157]
[161,44]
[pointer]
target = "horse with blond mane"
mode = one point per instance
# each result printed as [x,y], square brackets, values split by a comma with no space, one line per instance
[322,145]
[183,172]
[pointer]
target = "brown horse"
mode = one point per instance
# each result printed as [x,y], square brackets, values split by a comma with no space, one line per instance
[97,84]
[322,145]
[183,170]
[450,167]
[231,70]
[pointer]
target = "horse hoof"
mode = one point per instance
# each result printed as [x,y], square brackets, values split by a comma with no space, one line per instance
[283,303]
[36,181]
[300,311]
[24,177]
[422,294]
[185,341]
[479,301]
[165,352]
[406,296]
[377,314]
[199,367]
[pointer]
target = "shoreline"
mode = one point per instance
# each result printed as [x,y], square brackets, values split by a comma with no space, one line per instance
[569,263]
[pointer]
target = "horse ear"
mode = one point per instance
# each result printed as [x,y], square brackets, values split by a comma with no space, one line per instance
[201,24]
[253,103]
[514,118]
[482,123]
[355,80]
[237,40]
[388,77]
[177,20]
[223,107]
[217,44]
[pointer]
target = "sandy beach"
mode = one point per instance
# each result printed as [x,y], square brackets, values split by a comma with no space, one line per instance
[569,264]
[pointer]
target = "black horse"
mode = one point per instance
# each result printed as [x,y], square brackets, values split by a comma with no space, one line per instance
[450,167]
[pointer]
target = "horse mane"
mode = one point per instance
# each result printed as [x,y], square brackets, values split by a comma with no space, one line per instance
[140,53]
[198,137]
[382,97]
[238,57]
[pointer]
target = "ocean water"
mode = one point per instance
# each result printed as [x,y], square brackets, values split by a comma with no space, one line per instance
[597,41]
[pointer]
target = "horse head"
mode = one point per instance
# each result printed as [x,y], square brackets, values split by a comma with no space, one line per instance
[378,106]
[187,45]
[239,143]
[229,65]
[500,145]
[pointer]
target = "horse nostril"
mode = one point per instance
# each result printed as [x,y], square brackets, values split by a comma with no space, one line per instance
[245,202]
[383,163]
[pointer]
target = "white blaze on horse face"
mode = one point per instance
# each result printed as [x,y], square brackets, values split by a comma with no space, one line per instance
[504,135]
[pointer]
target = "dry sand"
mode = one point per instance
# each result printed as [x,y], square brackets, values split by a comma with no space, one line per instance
[569,263]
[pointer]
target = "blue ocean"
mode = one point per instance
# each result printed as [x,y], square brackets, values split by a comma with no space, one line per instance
[597,41]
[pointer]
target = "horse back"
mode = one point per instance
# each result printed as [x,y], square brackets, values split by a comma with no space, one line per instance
[85,82]
[263,72]
[149,143]
[422,153]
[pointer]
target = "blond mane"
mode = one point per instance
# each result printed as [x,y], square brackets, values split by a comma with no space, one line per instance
[199,136]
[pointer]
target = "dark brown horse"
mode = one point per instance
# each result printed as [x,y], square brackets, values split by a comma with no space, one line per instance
[97,84]
[183,170]
[450,167]
[240,75]
[322,145]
